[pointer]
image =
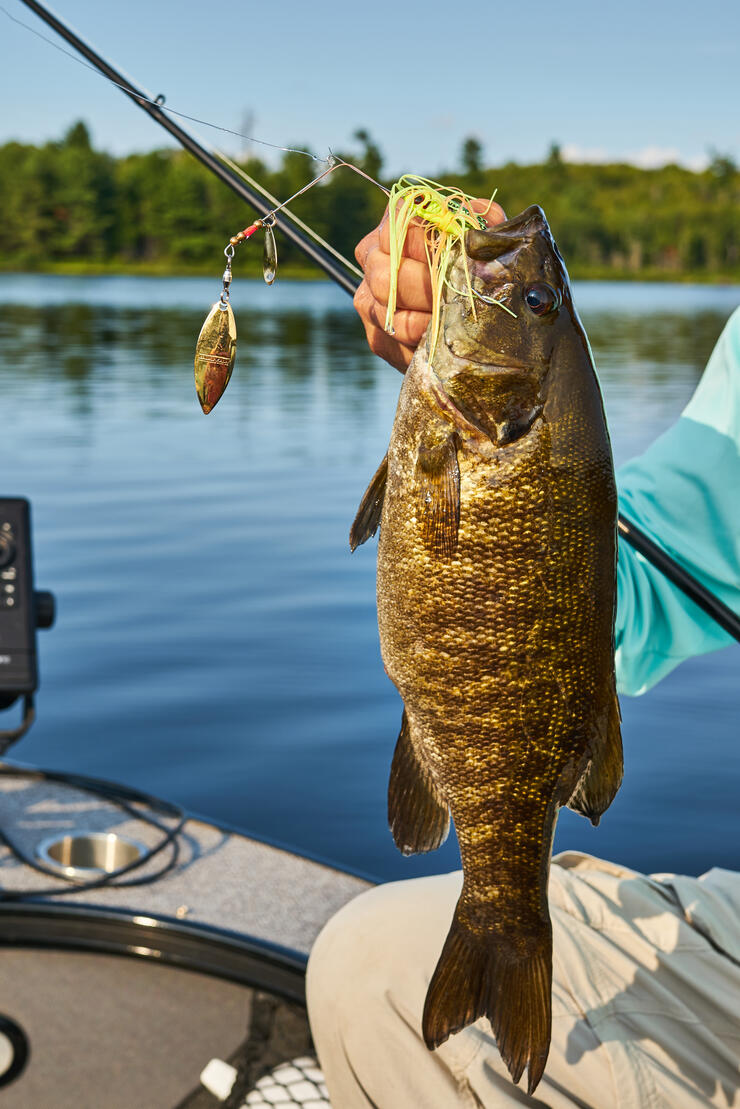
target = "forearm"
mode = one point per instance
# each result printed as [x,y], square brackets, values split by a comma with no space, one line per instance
[684,491]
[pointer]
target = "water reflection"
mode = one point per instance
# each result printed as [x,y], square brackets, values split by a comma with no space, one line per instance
[216,642]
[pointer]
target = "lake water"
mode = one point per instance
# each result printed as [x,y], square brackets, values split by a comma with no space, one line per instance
[216,643]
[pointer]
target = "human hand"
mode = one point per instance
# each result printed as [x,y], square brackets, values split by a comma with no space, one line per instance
[414,300]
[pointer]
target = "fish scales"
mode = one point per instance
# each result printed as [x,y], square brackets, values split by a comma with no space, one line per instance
[496,587]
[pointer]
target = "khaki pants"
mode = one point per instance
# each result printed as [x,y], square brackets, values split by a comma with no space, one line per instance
[646,996]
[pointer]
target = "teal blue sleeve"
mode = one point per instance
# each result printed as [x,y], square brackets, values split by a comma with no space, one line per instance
[684,491]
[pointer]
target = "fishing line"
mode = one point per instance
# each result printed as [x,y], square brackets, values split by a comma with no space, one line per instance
[159,101]
[296,219]
[337,164]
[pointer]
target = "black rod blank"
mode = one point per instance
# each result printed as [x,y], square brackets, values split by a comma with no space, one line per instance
[686,582]
[650,550]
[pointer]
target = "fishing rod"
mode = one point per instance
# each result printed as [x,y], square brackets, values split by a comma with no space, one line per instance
[316,254]
[721,613]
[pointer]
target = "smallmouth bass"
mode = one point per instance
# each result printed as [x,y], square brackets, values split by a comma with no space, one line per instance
[497,510]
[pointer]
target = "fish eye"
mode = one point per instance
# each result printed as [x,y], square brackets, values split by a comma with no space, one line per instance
[541,299]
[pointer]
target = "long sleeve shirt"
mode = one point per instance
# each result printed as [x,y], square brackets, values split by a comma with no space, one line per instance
[684,491]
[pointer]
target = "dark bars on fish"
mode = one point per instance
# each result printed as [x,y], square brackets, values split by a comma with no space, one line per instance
[664,562]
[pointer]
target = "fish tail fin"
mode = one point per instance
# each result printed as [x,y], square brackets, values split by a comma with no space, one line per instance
[603,776]
[490,976]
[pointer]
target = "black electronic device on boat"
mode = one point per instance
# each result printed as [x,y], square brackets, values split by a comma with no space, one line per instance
[22,611]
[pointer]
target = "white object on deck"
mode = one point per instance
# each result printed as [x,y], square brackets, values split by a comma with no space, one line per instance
[297,1083]
[218,1077]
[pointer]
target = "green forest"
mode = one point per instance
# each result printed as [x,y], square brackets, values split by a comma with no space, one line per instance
[69,208]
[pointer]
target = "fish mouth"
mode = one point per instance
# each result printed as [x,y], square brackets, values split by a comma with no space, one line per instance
[493,361]
[513,234]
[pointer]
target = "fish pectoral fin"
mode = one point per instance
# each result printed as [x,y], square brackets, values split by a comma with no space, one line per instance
[438,498]
[603,776]
[417,813]
[367,520]
[491,975]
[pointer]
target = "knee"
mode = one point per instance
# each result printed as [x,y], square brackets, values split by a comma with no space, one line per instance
[382,944]
[347,958]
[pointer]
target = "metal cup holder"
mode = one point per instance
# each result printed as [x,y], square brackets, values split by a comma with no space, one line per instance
[88,854]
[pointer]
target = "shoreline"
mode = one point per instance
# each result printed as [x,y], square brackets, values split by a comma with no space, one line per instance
[311,273]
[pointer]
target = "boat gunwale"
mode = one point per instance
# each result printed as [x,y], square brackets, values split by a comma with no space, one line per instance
[203,948]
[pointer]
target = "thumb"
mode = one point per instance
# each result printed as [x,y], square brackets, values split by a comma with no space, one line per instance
[492,211]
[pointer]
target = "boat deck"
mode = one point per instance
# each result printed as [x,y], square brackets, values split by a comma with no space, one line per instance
[222,879]
[219,946]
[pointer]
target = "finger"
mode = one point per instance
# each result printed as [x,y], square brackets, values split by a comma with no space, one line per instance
[414,244]
[363,248]
[370,241]
[386,347]
[408,326]
[397,353]
[493,212]
[414,289]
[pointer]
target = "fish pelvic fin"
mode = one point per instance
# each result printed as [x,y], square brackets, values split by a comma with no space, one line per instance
[438,499]
[418,815]
[367,520]
[496,977]
[603,776]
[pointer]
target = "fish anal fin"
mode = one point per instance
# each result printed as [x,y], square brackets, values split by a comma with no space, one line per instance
[492,976]
[367,520]
[417,813]
[438,497]
[603,776]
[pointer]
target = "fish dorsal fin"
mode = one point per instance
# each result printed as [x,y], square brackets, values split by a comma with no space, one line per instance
[438,500]
[367,520]
[603,776]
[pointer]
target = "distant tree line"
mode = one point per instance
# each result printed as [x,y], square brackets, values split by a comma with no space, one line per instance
[66,205]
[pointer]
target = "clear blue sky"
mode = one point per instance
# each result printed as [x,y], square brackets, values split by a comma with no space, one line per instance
[650,81]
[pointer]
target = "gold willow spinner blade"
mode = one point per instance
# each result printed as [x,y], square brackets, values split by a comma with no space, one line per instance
[215,350]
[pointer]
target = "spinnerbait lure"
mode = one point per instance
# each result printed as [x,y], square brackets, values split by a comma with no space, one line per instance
[215,350]
[446,213]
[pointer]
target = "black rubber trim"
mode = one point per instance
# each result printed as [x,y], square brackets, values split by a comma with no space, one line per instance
[247,960]
[18,1040]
